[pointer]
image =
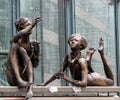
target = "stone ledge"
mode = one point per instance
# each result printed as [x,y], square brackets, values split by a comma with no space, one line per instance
[63,89]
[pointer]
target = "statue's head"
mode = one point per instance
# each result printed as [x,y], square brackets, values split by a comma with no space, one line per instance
[22,23]
[81,40]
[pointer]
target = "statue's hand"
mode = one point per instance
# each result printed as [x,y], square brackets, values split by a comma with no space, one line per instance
[77,83]
[38,19]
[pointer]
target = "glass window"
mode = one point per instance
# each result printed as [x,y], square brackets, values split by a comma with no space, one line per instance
[31,11]
[3,79]
[94,19]
[5,24]
[5,36]
[53,37]
[50,32]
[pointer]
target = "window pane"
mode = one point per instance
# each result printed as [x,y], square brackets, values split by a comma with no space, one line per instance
[31,11]
[53,37]
[3,79]
[5,36]
[95,19]
[5,24]
[50,32]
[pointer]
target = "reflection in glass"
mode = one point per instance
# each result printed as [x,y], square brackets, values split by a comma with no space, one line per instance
[95,19]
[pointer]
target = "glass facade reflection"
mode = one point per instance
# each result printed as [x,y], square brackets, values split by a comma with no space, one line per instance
[5,26]
[91,18]
[5,35]
[95,19]
[49,33]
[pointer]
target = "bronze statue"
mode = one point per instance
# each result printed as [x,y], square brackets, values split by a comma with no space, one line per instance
[23,56]
[94,78]
[80,67]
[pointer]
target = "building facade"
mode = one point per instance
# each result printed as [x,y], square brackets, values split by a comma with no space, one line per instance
[92,19]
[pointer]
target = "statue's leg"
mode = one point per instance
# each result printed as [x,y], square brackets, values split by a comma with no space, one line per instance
[27,64]
[107,69]
[13,63]
[10,74]
[28,70]
[89,55]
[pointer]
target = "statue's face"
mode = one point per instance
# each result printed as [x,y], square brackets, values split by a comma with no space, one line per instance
[74,42]
[27,22]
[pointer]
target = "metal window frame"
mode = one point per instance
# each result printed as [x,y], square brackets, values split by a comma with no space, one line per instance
[117,31]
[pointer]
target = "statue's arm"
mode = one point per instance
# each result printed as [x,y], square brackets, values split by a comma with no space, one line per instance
[58,74]
[14,59]
[26,31]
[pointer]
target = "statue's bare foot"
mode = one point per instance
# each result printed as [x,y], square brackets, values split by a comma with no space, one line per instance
[90,53]
[101,47]
[29,94]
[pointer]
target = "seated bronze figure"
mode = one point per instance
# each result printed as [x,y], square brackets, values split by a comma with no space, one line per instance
[23,56]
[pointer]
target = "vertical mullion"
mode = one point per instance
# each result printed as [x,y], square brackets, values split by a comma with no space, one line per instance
[69,26]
